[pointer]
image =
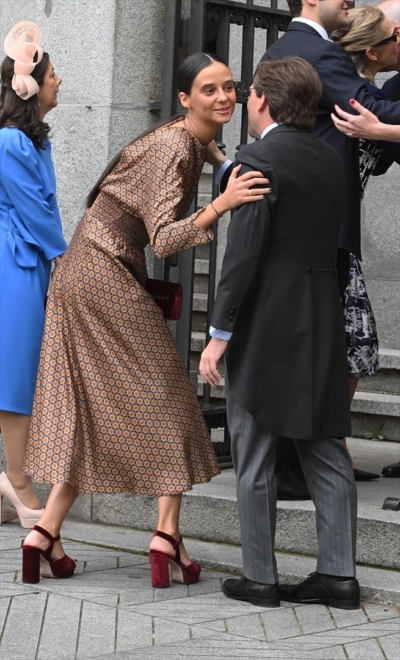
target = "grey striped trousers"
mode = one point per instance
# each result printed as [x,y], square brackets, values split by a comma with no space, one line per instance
[330,480]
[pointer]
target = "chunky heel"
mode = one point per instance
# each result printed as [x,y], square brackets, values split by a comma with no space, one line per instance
[33,557]
[30,564]
[7,513]
[159,569]
[182,573]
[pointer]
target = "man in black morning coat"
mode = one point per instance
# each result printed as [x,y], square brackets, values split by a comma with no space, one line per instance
[278,304]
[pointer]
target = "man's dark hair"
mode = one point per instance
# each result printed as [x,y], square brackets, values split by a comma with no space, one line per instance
[295,7]
[292,88]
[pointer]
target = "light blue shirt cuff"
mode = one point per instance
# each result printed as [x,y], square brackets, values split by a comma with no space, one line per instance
[220,334]
[221,172]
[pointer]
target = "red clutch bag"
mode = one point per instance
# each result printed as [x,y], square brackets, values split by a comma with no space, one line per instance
[168,296]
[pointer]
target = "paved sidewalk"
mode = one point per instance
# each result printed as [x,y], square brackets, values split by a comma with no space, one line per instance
[108,611]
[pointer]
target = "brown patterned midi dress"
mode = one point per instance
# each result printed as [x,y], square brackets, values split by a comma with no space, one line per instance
[114,408]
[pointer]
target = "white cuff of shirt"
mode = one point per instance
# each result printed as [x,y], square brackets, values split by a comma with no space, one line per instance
[220,334]
[221,171]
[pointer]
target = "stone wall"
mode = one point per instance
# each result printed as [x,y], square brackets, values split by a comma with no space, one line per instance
[109,55]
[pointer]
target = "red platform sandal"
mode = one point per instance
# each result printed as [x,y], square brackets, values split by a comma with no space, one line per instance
[160,562]
[37,562]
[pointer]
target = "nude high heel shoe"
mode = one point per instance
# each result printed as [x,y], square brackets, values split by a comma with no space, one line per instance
[7,512]
[27,517]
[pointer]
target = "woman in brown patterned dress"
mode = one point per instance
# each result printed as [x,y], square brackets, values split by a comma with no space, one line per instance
[114,407]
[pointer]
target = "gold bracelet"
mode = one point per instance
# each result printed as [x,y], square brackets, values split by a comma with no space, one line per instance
[215,210]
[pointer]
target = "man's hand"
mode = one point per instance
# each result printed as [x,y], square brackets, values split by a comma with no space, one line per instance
[209,360]
[214,156]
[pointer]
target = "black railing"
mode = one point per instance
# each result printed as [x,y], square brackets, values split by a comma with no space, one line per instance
[209,29]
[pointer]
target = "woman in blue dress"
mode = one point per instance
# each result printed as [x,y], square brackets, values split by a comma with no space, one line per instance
[30,239]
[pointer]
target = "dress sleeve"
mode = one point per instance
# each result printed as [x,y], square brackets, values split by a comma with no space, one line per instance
[35,216]
[167,179]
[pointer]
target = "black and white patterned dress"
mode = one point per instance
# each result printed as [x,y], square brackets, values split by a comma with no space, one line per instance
[360,326]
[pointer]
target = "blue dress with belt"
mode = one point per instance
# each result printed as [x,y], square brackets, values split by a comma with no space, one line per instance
[30,237]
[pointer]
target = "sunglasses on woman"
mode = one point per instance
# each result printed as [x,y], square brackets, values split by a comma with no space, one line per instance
[388,40]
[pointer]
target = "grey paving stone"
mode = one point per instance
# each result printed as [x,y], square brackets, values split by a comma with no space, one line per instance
[212,585]
[217,626]
[135,596]
[60,628]
[128,559]
[251,626]
[280,623]
[22,629]
[97,631]
[379,612]
[391,645]
[229,648]
[133,630]
[8,577]
[10,560]
[9,589]
[368,649]
[345,618]
[168,632]
[173,592]
[4,605]
[101,563]
[314,618]
[198,609]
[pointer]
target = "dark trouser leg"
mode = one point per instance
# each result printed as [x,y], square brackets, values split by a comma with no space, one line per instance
[253,454]
[330,480]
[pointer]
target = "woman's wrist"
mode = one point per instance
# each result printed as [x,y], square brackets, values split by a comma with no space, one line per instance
[222,203]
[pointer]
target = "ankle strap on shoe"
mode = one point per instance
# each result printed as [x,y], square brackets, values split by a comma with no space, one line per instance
[45,533]
[175,544]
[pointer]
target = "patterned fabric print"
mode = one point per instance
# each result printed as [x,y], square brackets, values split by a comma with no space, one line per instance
[114,408]
[369,154]
[362,339]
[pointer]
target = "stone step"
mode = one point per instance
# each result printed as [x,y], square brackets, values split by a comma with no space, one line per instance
[200,284]
[377,585]
[201,266]
[387,379]
[198,342]
[376,403]
[370,410]
[209,512]
[199,302]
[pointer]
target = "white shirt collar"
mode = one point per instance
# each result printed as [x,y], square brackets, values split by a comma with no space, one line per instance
[268,129]
[314,25]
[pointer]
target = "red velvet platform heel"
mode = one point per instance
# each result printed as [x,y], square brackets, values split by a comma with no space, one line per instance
[33,564]
[160,562]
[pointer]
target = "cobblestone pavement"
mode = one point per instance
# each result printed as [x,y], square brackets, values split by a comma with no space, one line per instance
[109,611]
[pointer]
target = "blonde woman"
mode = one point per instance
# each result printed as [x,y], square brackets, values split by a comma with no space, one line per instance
[371,40]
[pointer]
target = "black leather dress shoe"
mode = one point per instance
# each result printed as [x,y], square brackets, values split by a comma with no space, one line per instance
[325,590]
[263,595]
[392,470]
[362,475]
[290,486]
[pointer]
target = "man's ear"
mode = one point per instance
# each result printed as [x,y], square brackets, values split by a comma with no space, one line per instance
[262,103]
[184,99]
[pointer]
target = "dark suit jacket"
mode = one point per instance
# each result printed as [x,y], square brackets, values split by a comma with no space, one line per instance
[340,82]
[278,292]
[392,88]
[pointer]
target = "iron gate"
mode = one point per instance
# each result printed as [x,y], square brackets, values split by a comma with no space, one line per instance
[209,30]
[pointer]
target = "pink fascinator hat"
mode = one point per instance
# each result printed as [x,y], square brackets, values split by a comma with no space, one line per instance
[23,45]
